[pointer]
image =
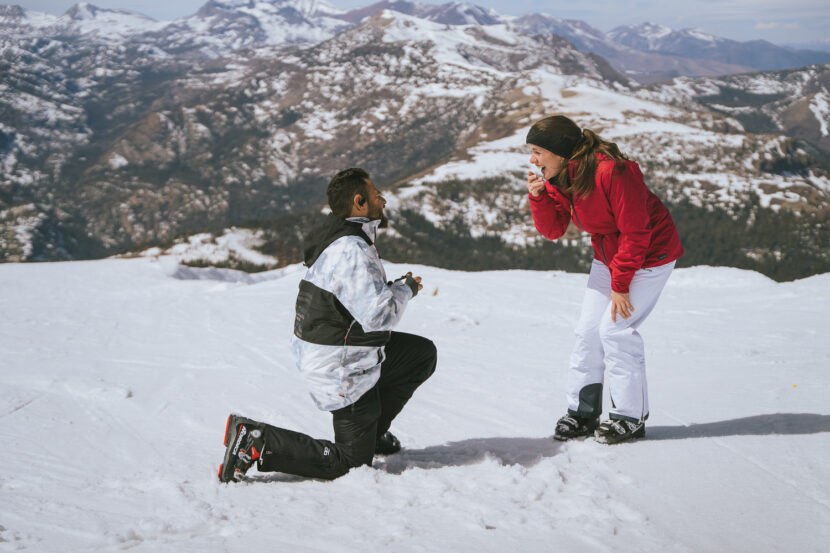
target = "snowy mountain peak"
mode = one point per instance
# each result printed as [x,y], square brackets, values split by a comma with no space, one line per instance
[581,26]
[15,20]
[11,16]
[81,21]
[700,34]
[455,13]
[477,53]
[85,19]
[305,8]
[651,37]
[399,26]
[222,26]
[645,36]
[651,30]
[11,11]
[542,23]
[580,34]
[656,35]
[447,37]
[83,10]
[699,45]
[463,13]
[314,7]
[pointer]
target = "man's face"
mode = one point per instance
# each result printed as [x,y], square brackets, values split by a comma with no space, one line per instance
[374,202]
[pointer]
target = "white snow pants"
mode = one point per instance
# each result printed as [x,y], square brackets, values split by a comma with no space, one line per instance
[616,348]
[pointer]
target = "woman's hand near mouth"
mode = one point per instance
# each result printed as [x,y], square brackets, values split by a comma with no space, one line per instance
[535,184]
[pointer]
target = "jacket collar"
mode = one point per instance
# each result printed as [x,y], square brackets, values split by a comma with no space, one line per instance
[369,227]
[334,227]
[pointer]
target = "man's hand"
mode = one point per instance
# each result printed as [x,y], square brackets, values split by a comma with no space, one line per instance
[414,283]
[535,184]
[620,303]
[416,279]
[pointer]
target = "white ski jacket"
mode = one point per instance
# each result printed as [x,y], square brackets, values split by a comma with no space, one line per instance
[345,311]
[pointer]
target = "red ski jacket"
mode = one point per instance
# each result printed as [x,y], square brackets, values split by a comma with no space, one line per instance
[630,227]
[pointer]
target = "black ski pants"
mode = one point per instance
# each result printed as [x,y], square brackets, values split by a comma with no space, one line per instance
[410,360]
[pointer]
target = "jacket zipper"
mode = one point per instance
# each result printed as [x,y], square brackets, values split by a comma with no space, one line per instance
[573,213]
[602,249]
[348,331]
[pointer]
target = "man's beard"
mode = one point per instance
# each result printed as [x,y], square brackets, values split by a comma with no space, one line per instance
[384,222]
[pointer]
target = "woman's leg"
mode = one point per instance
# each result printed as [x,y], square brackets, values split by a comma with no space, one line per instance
[585,373]
[623,346]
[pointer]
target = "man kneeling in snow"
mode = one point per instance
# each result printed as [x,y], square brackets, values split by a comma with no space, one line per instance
[356,366]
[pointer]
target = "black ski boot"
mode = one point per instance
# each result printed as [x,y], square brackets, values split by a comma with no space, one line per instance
[243,446]
[387,444]
[570,426]
[615,431]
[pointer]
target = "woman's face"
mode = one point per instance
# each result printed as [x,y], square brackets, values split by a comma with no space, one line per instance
[548,162]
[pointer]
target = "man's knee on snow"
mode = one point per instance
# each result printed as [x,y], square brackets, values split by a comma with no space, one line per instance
[357,457]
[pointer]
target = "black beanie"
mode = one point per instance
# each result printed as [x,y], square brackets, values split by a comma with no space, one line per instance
[560,135]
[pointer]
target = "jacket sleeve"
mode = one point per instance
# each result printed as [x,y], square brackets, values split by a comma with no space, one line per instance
[362,288]
[628,197]
[550,211]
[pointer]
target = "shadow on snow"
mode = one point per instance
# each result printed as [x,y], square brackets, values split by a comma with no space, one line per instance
[529,451]
[508,451]
[758,425]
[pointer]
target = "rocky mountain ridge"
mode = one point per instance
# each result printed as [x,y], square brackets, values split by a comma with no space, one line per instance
[111,146]
[791,102]
[645,52]
[142,147]
[699,45]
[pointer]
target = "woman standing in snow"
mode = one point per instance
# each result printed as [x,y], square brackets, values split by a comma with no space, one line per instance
[586,179]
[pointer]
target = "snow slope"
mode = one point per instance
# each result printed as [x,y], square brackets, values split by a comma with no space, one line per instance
[116,378]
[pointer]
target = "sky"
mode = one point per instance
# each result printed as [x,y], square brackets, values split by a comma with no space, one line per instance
[778,21]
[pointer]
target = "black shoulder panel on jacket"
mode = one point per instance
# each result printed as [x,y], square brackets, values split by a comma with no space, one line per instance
[321,319]
[333,228]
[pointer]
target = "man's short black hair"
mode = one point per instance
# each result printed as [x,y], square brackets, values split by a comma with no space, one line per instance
[342,190]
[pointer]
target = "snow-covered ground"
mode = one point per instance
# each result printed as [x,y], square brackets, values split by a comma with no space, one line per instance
[116,378]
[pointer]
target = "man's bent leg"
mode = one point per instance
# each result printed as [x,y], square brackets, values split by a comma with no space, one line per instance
[355,428]
[410,360]
[354,443]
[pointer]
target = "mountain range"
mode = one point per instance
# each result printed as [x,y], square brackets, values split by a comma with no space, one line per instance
[647,52]
[118,132]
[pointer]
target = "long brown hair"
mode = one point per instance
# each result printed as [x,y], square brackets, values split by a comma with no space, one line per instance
[585,156]
[588,145]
